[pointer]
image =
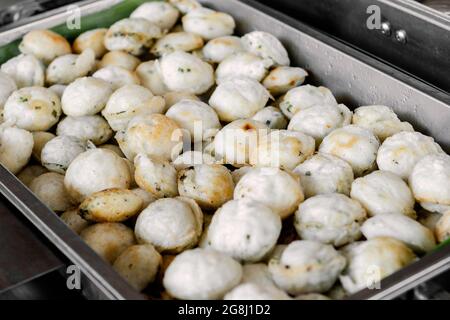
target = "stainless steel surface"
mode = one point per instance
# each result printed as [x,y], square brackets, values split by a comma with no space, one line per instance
[426,54]
[354,78]
[24,254]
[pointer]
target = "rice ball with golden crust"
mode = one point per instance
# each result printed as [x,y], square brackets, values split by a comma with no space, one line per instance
[49,188]
[45,45]
[383,192]
[283,149]
[172,225]
[16,146]
[372,260]
[162,14]
[305,97]
[430,182]
[218,49]
[242,65]
[119,59]
[324,173]
[40,138]
[138,265]
[92,128]
[356,145]
[153,135]
[273,187]
[33,108]
[330,218]
[320,120]
[381,120]
[108,239]
[306,267]
[211,185]
[66,69]
[207,23]
[110,205]
[244,229]
[397,226]
[177,41]
[156,176]
[96,170]
[92,39]
[201,274]
[128,102]
[149,73]
[238,98]
[183,71]
[400,152]
[266,46]
[116,76]
[85,96]
[198,118]
[271,117]
[235,142]
[59,152]
[282,79]
[74,221]
[132,35]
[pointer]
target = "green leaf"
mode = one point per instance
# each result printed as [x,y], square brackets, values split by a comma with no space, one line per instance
[102,19]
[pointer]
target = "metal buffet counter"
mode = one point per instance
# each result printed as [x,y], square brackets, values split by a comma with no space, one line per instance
[356,75]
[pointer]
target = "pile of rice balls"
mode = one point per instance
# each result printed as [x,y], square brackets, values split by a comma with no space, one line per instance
[321,200]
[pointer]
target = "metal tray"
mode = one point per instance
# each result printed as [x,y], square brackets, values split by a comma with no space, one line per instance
[354,78]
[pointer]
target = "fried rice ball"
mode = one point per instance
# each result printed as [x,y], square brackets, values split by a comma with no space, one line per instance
[244,229]
[92,39]
[201,274]
[306,266]
[266,46]
[282,79]
[330,218]
[16,146]
[116,76]
[33,108]
[128,102]
[198,118]
[400,152]
[182,71]
[66,69]
[238,98]
[430,182]
[208,24]
[119,59]
[381,120]
[160,13]
[242,65]
[305,97]
[324,173]
[218,49]
[85,96]
[45,45]
[96,170]
[397,226]
[133,35]
[109,240]
[92,128]
[177,41]
[138,265]
[59,152]
[383,192]
[49,188]
[273,187]
[271,117]
[172,225]
[356,145]
[372,260]
[25,70]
